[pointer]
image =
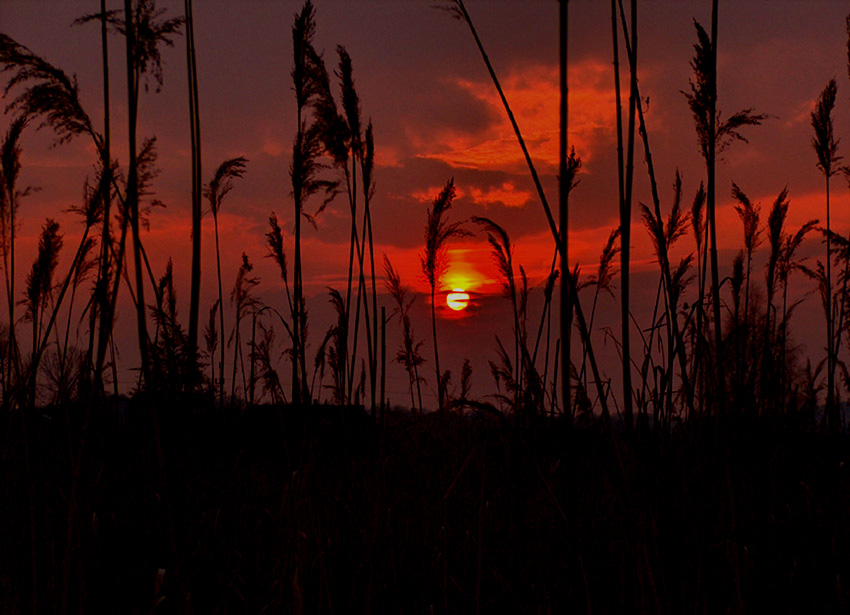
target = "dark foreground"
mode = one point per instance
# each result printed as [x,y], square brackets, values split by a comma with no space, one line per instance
[278,510]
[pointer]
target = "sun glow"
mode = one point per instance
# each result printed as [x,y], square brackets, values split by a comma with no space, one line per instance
[457,300]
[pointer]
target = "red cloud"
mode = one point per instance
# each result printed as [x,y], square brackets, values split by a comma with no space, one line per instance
[534,98]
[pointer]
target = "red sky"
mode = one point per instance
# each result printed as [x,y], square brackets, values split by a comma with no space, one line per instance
[436,115]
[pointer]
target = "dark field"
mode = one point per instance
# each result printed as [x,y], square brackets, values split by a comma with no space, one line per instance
[321,511]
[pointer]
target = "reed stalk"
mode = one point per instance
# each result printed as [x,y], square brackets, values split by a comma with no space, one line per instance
[195,145]
[826,148]
[220,185]
[438,232]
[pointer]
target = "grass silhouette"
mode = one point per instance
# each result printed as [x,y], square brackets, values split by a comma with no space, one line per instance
[710,479]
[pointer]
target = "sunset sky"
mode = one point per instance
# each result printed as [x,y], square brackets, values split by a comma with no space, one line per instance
[436,115]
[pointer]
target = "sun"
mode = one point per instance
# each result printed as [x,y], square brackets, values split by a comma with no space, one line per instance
[457,300]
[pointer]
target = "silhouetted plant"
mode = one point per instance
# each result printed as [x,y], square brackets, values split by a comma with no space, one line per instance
[749,214]
[197,182]
[785,266]
[826,148]
[502,253]
[51,94]
[91,212]
[775,236]
[663,237]
[39,286]
[220,185]
[602,281]
[503,375]
[101,309]
[309,78]
[349,148]
[144,30]
[171,366]
[438,232]
[408,355]
[713,135]
[10,195]
[626,191]
[211,340]
[47,92]
[243,302]
[335,342]
[262,354]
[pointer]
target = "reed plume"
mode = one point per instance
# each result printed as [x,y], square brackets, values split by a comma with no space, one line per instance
[10,195]
[714,135]
[408,355]
[749,213]
[502,254]
[39,286]
[826,148]
[243,301]
[438,232]
[220,185]
[311,87]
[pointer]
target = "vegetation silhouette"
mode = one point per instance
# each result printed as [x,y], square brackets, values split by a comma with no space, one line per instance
[711,478]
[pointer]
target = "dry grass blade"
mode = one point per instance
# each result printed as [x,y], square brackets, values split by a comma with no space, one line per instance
[607,265]
[408,355]
[10,159]
[681,278]
[277,252]
[222,182]
[697,218]
[241,296]
[702,98]
[149,31]
[824,141]
[350,100]
[502,252]
[210,333]
[677,220]
[438,231]
[749,213]
[48,92]
[792,243]
[737,280]
[39,281]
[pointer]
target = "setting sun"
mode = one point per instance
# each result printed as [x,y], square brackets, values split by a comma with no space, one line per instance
[458,299]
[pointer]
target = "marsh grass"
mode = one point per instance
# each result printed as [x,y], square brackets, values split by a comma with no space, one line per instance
[438,232]
[728,497]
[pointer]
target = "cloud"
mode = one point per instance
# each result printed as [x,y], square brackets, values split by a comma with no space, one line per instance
[506,195]
[534,96]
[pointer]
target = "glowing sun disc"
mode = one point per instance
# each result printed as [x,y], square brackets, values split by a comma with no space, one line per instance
[457,300]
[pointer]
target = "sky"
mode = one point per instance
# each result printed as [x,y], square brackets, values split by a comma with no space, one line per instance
[436,116]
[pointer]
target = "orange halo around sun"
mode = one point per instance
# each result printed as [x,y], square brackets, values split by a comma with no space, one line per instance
[457,300]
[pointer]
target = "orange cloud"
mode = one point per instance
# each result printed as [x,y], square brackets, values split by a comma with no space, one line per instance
[506,194]
[534,98]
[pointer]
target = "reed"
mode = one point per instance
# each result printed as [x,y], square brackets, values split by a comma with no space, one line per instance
[408,355]
[220,185]
[310,84]
[502,254]
[10,166]
[826,148]
[244,302]
[197,212]
[714,134]
[625,183]
[438,232]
